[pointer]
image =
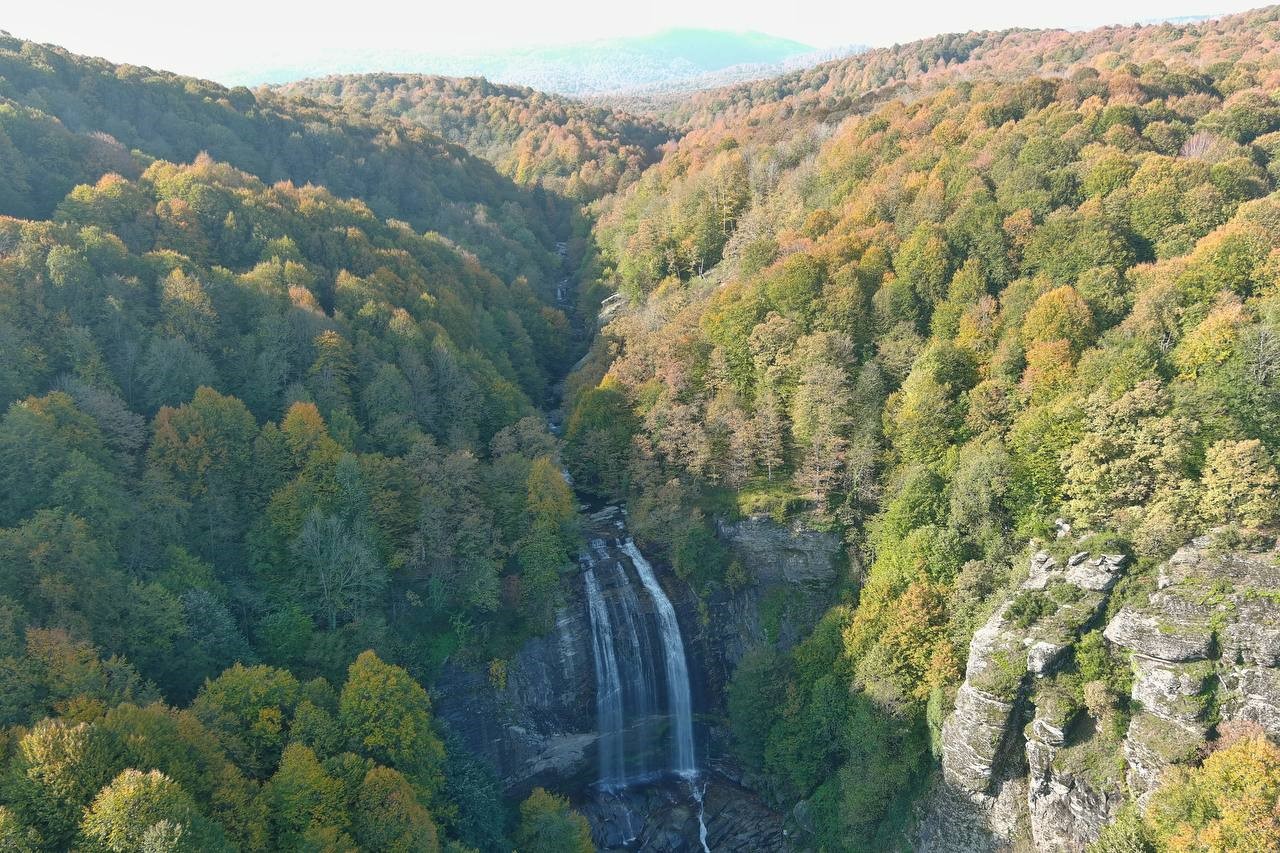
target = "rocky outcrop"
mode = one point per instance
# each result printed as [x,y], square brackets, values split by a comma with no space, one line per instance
[1023,764]
[1204,647]
[1001,781]
[777,553]
[953,821]
[792,568]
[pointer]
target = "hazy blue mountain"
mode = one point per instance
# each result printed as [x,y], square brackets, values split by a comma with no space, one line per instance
[665,58]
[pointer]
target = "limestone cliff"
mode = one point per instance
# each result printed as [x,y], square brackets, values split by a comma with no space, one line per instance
[1026,766]
[1205,647]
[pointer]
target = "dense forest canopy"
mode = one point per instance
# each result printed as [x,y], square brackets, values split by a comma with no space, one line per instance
[254,425]
[833,89]
[578,151]
[1044,285]
[274,366]
[66,120]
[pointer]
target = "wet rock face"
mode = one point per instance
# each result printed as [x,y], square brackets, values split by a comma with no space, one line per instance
[663,818]
[539,729]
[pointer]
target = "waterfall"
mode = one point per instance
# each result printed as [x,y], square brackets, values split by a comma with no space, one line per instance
[640,686]
[699,791]
[643,706]
[609,717]
[679,703]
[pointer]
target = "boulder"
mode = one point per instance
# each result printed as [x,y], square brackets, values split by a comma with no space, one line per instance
[1098,575]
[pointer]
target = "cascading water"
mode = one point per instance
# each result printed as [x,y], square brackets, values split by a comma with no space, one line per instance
[644,722]
[640,691]
[609,711]
[679,699]
[679,703]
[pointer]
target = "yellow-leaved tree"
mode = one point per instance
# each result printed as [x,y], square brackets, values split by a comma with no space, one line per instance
[1229,804]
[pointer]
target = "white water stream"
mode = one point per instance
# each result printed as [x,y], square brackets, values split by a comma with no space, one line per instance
[640,737]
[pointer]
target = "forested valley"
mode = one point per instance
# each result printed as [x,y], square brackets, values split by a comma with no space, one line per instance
[305,391]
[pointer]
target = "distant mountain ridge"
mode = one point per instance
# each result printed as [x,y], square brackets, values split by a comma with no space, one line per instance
[732,75]
[594,67]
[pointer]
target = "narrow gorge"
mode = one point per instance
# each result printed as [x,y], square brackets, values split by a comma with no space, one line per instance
[879,453]
[622,705]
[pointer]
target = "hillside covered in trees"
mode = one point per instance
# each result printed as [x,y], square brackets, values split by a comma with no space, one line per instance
[577,151]
[274,369]
[1042,286]
[833,89]
[254,430]
[68,120]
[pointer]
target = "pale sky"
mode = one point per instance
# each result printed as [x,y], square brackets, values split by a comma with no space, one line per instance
[213,39]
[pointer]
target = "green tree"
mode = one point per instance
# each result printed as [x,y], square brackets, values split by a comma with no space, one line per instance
[549,501]
[206,447]
[156,737]
[52,452]
[330,375]
[338,572]
[455,546]
[548,825]
[146,812]
[389,816]
[387,716]
[795,287]
[598,441]
[1131,449]
[755,700]
[188,312]
[1059,314]
[14,836]
[924,263]
[58,769]
[1126,834]
[307,806]
[249,709]
[1240,484]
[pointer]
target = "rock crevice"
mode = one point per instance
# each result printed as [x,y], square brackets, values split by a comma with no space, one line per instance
[1022,763]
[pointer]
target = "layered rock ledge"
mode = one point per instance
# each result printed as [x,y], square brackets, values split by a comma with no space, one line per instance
[1023,764]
